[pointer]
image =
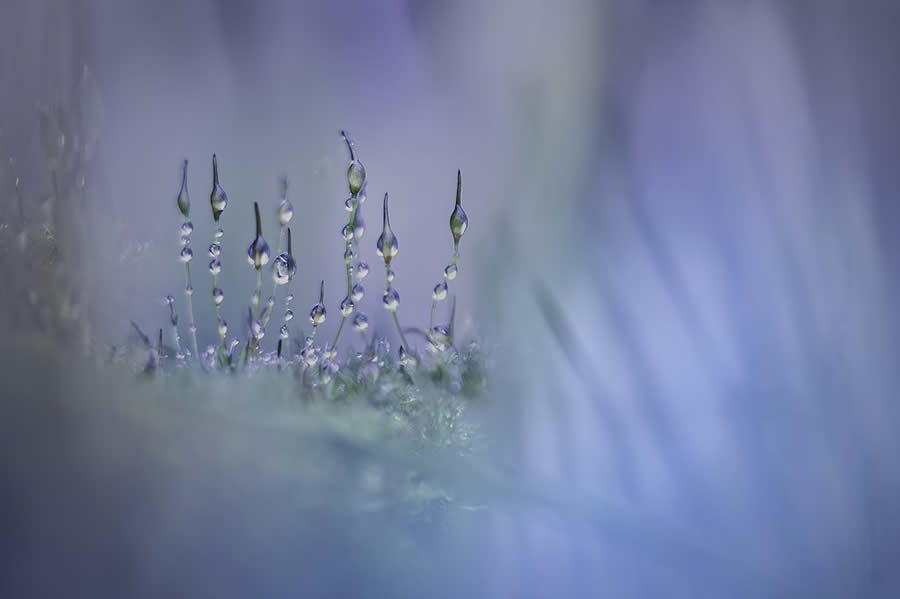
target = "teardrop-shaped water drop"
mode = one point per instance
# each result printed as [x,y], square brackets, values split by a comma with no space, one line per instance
[390,276]
[318,313]
[184,199]
[258,251]
[386,246]
[289,298]
[349,254]
[215,267]
[189,290]
[288,315]
[223,328]
[220,232]
[218,296]
[214,250]
[285,208]
[391,299]
[218,199]
[347,232]
[284,331]
[459,222]
[186,254]
[187,227]
[362,270]
[357,292]
[359,227]
[439,336]
[347,306]
[350,204]
[440,291]
[450,272]
[280,271]
[360,322]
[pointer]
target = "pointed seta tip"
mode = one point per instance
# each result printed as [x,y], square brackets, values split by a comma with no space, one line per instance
[386,217]
[289,241]
[322,292]
[349,144]
[458,186]
[258,221]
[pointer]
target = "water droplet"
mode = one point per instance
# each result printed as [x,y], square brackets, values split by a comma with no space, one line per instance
[187,227]
[439,335]
[289,298]
[390,276]
[257,329]
[220,232]
[347,232]
[406,358]
[214,250]
[186,254]
[386,246]
[218,296]
[361,321]
[318,313]
[450,272]
[459,222]
[184,241]
[285,212]
[170,300]
[189,290]
[359,227]
[254,298]
[391,299]
[223,328]
[184,200]
[288,315]
[349,254]
[284,331]
[280,269]
[362,195]
[218,200]
[357,293]
[362,270]
[347,306]
[215,267]
[440,291]
[310,355]
[350,204]
[258,252]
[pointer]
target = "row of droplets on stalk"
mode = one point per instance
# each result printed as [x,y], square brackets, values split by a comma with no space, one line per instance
[284,268]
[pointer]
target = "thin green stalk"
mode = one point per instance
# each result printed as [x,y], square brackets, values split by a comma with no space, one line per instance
[387,269]
[188,294]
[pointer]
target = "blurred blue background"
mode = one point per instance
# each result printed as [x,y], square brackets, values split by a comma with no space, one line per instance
[681,259]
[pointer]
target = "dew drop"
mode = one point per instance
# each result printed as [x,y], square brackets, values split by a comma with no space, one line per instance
[284,331]
[220,232]
[360,322]
[189,290]
[218,296]
[390,276]
[357,293]
[350,204]
[440,291]
[359,227]
[258,251]
[386,247]
[318,314]
[254,298]
[450,272]
[288,315]
[349,254]
[347,306]
[280,270]
[362,270]
[285,212]
[289,298]
[186,254]
[214,250]
[391,299]
[356,176]
[215,267]
[187,227]
[347,232]
[223,328]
